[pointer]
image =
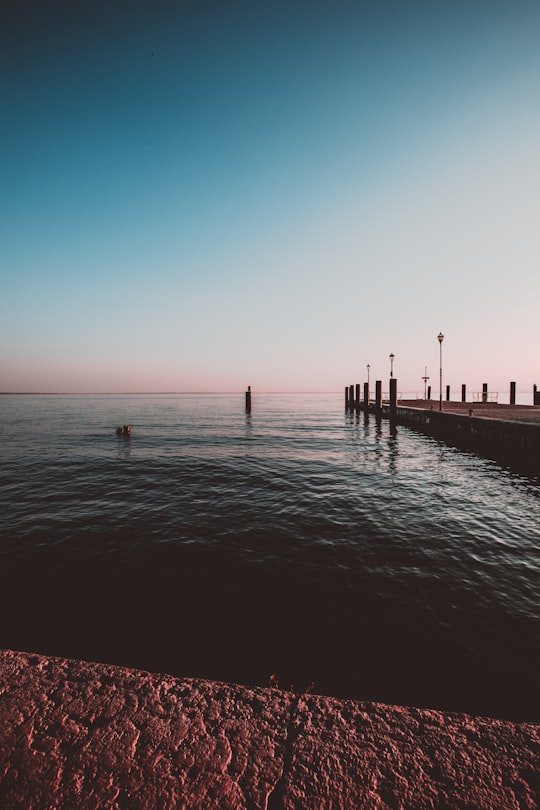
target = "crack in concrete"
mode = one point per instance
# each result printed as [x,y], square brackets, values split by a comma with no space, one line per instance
[275,799]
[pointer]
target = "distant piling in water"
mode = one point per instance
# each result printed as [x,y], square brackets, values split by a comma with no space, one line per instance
[248,399]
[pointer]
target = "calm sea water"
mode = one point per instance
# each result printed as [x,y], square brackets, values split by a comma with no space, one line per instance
[298,540]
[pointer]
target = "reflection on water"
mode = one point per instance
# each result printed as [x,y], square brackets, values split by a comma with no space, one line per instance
[323,545]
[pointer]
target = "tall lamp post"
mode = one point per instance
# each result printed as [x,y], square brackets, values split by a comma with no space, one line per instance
[440,338]
[391,365]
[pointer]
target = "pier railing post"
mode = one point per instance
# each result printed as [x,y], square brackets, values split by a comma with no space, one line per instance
[464,393]
[429,392]
[484,392]
[448,393]
[512,393]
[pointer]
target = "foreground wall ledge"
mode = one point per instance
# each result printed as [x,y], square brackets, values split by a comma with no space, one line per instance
[83,735]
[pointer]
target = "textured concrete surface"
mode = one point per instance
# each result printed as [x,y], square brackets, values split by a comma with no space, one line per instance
[80,735]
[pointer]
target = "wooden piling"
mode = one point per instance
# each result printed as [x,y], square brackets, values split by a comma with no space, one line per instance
[357,398]
[366,397]
[393,397]
[346,397]
[248,399]
[378,396]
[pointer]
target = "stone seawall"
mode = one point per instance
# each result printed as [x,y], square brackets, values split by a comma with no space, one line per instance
[81,735]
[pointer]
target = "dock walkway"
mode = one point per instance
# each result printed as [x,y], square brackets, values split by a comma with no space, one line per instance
[485,410]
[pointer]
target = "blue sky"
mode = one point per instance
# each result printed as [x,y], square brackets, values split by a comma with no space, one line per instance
[199,196]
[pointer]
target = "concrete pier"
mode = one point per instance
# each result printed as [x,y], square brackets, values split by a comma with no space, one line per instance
[79,735]
[506,433]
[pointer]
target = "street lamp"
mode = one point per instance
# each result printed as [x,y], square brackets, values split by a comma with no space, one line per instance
[391,365]
[440,338]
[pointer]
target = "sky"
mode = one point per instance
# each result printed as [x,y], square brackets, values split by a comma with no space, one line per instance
[202,196]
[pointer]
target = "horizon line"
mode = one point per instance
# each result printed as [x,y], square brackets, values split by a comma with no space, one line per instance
[147,393]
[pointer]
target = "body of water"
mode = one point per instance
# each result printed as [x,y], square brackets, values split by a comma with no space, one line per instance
[298,541]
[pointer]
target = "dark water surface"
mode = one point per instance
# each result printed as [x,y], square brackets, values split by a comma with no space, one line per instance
[299,540]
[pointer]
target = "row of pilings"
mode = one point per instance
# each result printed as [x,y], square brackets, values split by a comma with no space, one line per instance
[353,401]
[512,442]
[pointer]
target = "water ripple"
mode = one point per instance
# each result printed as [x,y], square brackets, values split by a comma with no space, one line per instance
[298,513]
